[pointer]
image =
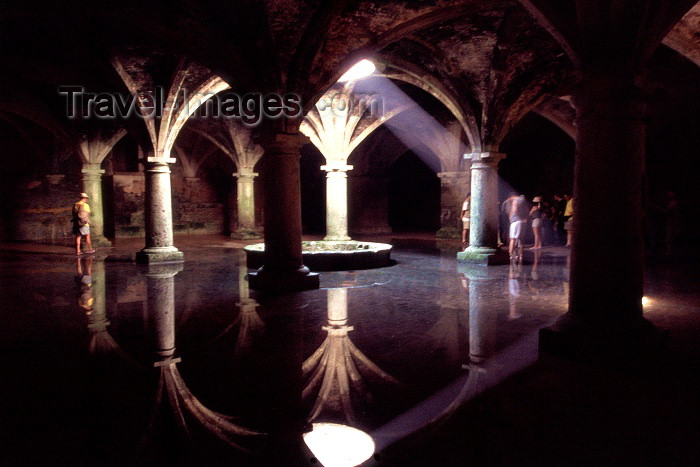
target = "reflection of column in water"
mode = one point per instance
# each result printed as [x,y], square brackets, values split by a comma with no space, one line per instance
[335,374]
[160,286]
[483,314]
[534,273]
[249,320]
[337,307]
[566,272]
[97,321]
[187,409]
[514,289]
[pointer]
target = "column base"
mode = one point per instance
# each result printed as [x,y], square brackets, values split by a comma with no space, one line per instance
[483,255]
[336,238]
[160,255]
[280,282]
[629,345]
[246,234]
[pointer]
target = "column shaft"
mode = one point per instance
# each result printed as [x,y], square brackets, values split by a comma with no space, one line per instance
[336,202]
[245,203]
[604,324]
[607,250]
[283,269]
[92,185]
[158,214]
[483,231]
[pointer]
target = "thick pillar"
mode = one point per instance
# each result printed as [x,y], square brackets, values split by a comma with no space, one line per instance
[92,185]
[159,215]
[283,270]
[483,232]
[454,187]
[336,201]
[245,201]
[604,320]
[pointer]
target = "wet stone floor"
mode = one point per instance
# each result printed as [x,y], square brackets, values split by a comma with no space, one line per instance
[108,362]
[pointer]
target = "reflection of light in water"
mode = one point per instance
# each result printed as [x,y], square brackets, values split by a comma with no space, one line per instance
[339,445]
[646,301]
[359,70]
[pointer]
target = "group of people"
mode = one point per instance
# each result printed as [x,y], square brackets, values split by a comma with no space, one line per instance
[551,221]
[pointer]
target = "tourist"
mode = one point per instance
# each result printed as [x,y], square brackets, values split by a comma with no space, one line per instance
[466,207]
[536,214]
[81,225]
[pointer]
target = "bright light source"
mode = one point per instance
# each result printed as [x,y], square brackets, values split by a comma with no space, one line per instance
[646,301]
[339,445]
[359,70]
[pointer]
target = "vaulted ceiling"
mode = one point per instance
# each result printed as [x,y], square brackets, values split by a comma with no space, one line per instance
[489,61]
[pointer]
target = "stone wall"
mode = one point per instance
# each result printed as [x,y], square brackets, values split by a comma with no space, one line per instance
[129,189]
[42,211]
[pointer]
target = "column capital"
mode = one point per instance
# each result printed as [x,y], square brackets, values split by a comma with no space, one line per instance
[161,160]
[336,166]
[485,158]
[92,169]
[245,172]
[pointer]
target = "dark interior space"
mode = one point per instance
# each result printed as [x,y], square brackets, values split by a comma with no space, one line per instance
[539,159]
[313,191]
[414,195]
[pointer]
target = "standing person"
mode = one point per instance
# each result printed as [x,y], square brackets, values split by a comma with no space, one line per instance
[514,206]
[81,224]
[569,216]
[536,213]
[466,206]
[559,206]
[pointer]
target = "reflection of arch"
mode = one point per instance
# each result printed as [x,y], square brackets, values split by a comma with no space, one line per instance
[337,369]
[185,404]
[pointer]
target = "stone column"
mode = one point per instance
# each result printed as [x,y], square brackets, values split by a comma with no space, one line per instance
[483,232]
[605,320]
[336,201]
[454,187]
[159,215]
[245,201]
[283,270]
[92,185]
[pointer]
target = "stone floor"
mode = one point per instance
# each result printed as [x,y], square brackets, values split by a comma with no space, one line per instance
[435,360]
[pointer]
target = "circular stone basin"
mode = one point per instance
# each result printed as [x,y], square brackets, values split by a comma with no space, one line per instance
[328,255]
